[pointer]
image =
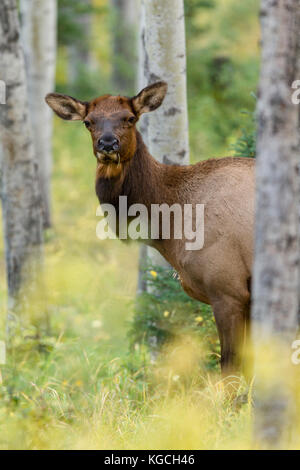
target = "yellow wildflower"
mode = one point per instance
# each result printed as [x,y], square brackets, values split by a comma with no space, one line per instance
[153,274]
[166,313]
[199,319]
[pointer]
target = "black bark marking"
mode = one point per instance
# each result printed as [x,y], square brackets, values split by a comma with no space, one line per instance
[172,111]
[182,153]
[167,161]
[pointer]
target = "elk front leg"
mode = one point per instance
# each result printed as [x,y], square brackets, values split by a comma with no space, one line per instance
[231,319]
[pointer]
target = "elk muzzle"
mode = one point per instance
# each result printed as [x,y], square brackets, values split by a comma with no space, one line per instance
[108,147]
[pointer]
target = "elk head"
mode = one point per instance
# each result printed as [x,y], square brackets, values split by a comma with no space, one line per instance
[111,121]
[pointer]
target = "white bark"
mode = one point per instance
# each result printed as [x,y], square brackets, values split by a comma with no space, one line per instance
[276,266]
[20,191]
[142,79]
[39,29]
[298,77]
[165,59]
[143,128]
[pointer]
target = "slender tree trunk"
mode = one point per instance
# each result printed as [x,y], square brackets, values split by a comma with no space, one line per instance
[21,200]
[143,127]
[276,266]
[39,41]
[124,34]
[142,79]
[298,78]
[165,59]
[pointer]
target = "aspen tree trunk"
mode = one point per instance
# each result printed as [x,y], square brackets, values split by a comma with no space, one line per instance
[297,74]
[21,202]
[276,266]
[124,35]
[143,128]
[142,78]
[165,59]
[39,42]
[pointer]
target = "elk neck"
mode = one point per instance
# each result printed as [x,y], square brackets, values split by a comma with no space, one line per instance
[143,180]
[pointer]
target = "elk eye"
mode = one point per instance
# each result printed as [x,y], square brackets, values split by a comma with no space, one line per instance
[131,119]
[87,124]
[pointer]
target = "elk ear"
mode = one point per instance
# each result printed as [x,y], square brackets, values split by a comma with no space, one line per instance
[150,98]
[66,107]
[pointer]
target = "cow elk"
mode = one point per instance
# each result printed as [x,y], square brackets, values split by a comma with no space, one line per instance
[219,274]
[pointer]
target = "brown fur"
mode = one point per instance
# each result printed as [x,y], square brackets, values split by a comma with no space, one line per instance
[220,273]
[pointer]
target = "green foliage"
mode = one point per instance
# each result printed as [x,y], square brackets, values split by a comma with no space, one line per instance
[78,71]
[69,14]
[85,85]
[124,54]
[191,10]
[220,75]
[245,145]
[165,313]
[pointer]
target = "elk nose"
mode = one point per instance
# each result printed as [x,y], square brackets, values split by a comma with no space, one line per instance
[108,143]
